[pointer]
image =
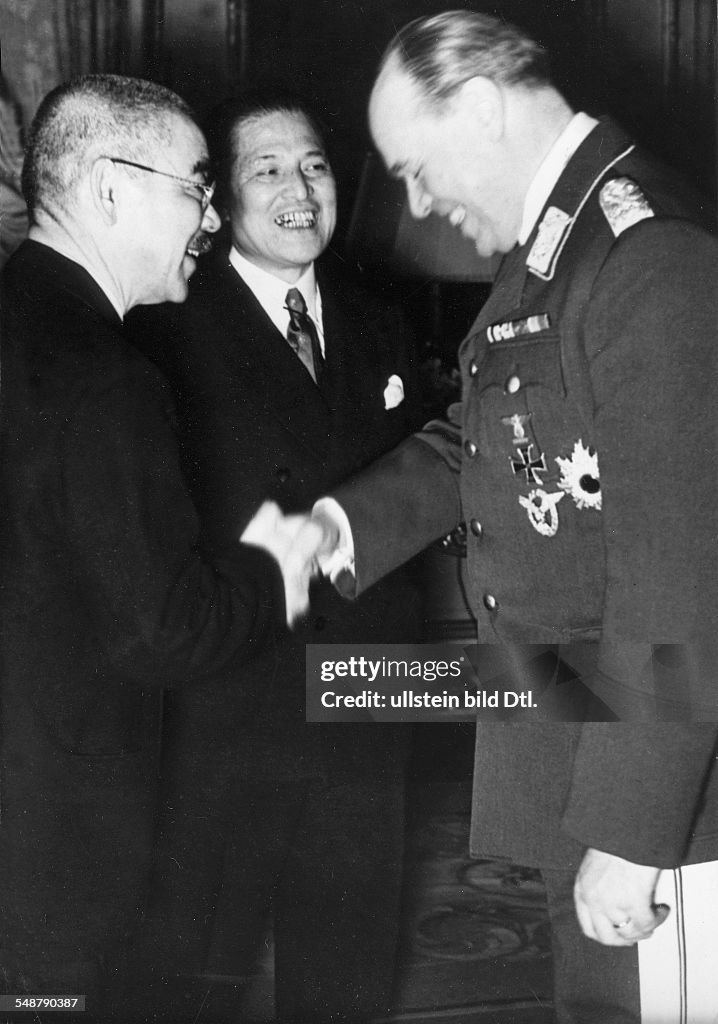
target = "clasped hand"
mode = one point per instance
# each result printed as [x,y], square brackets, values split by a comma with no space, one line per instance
[615,899]
[299,543]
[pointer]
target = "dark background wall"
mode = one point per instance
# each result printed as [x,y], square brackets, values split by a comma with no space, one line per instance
[331,51]
[651,63]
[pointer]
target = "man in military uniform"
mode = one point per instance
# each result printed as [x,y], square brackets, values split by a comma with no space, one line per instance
[582,459]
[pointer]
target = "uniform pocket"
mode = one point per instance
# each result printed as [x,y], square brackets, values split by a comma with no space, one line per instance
[517,382]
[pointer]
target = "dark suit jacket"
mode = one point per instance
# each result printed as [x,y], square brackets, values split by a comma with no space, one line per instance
[104,600]
[255,426]
[602,332]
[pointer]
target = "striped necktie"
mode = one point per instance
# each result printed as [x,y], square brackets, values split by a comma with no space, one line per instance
[302,335]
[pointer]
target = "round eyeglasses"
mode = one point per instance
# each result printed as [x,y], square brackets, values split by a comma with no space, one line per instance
[203,193]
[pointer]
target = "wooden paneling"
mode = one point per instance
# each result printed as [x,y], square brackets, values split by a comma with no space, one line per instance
[696,82]
[197,47]
[653,65]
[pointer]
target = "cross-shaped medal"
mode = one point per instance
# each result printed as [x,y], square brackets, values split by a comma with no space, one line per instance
[528,465]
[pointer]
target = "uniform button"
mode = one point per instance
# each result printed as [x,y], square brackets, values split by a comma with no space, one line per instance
[283,475]
[512,385]
[490,602]
[476,527]
[471,448]
[320,622]
[473,368]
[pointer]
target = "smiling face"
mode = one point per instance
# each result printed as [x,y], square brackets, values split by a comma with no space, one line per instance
[283,194]
[451,158]
[170,228]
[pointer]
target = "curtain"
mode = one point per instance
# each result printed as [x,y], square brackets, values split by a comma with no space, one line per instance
[13,216]
[43,43]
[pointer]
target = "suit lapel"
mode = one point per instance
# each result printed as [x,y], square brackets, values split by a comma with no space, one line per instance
[262,365]
[353,369]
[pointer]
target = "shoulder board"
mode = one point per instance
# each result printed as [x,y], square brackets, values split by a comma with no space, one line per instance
[623,204]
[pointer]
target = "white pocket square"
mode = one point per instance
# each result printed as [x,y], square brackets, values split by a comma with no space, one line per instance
[393,392]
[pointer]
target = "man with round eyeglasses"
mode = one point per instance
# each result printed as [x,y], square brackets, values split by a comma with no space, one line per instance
[105,598]
[200,190]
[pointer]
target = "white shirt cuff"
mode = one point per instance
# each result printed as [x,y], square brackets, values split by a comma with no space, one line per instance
[341,558]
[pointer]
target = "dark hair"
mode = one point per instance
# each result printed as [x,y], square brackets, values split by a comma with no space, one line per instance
[446,50]
[222,123]
[89,117]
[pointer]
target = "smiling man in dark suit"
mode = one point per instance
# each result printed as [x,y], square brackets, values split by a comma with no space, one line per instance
[288,377]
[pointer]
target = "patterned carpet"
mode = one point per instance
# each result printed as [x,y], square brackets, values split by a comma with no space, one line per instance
[475,936]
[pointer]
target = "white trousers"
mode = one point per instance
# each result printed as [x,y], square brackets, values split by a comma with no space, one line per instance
[678,965]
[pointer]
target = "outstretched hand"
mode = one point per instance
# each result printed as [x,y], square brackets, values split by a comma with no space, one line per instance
[298,543]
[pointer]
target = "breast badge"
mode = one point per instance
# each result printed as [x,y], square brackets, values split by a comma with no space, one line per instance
[518,427]
[541,509]
[580,478]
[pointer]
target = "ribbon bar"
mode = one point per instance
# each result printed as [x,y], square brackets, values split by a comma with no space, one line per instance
[515,328]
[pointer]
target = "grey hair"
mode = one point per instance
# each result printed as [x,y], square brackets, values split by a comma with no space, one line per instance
[442,52]
[90,117]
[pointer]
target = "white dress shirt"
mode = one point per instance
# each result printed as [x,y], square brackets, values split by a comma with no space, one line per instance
[271,293]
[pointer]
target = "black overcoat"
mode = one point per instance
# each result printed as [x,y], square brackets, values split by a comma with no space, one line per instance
[104,600]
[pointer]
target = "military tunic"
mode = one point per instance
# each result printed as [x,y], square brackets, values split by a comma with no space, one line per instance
[582,457]
[588,383]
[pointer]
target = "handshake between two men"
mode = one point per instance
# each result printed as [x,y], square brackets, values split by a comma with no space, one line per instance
[305,546]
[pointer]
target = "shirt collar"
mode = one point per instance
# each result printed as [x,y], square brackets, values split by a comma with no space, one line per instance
[578,128]
[271,291]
